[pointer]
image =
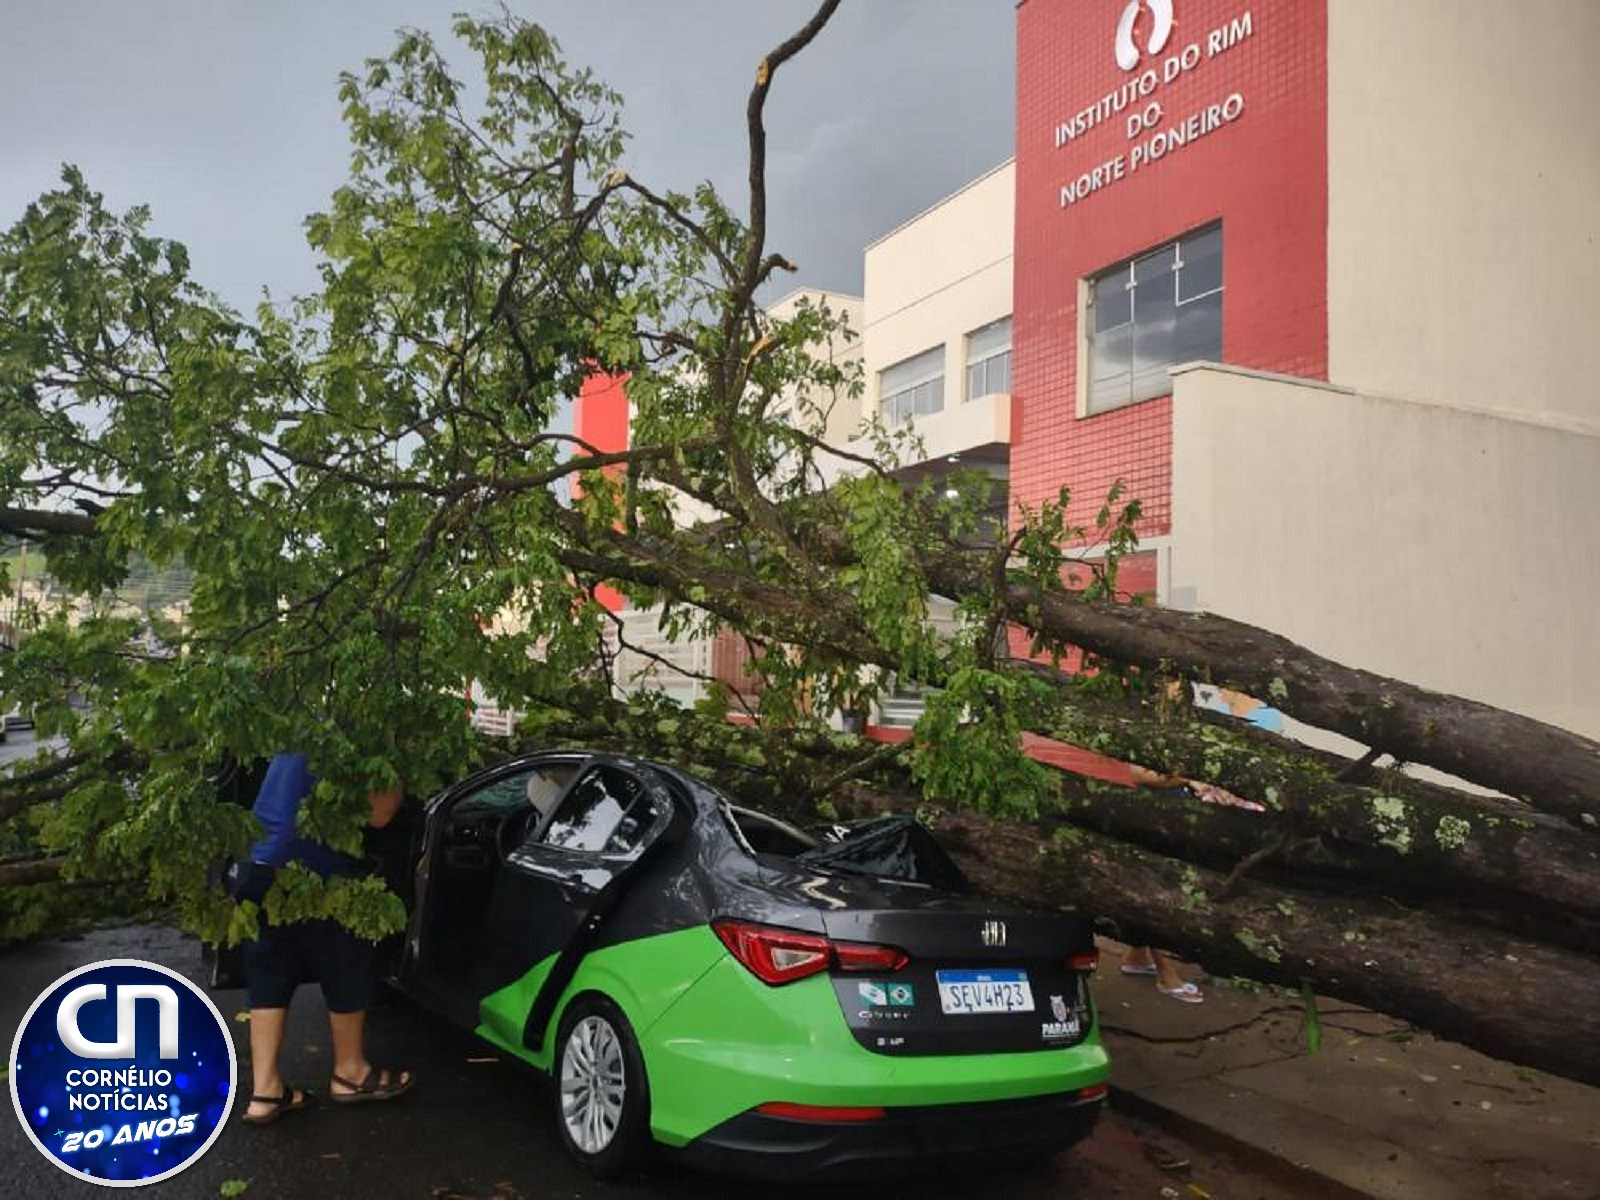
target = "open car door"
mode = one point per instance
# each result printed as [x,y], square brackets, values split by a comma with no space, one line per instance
[551,902]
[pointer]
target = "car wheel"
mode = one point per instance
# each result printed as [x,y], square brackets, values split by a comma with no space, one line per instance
[602,1098]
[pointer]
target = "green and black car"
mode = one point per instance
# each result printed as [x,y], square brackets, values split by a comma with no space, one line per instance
[699,976]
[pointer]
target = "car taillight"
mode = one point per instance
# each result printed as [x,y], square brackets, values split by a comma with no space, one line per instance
[859,956]
[1098,1092]
[1086,962]
[777,956]
[774,955]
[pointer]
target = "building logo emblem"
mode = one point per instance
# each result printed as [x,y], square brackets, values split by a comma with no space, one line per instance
[122,1073]
[1128,50]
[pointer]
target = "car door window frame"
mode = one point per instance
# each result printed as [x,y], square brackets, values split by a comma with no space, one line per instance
[561,813]
[452,796]
[652,789]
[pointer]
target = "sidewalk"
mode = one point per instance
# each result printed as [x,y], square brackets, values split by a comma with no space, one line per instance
[1378,1111]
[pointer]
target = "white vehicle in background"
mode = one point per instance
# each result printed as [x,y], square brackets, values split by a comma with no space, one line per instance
[15,719]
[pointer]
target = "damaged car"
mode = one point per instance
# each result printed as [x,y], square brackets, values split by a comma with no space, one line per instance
[763,1001]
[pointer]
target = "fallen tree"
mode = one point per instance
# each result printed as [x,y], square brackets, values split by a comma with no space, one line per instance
[1504,995]
[375,508]
[1158,869]
[24,872]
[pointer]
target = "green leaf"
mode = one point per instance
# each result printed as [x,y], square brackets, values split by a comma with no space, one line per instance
[1311,1022]
[233,1187]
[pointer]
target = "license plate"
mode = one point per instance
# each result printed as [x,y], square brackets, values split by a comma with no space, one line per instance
[964,992]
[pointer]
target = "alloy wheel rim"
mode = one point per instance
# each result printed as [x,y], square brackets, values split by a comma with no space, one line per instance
[593,1084]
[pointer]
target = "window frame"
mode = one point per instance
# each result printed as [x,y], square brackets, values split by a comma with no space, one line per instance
[507,799]
[909,389]
[985,361]
[1092,404]
[541,836]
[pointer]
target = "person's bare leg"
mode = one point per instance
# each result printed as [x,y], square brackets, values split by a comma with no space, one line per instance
[266,1040]
[1138,959]
[349,1055]
[1167,977]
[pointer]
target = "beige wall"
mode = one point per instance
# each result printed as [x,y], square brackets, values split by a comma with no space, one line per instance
[1464,201]
[938,277]
[842,409]
[1449,547]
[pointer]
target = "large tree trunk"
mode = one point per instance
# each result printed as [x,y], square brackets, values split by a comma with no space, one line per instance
[1510,997]
[1550,768]
[1392,827]
[1492,887]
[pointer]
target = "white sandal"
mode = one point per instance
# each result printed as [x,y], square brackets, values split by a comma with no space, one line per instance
[1186,992]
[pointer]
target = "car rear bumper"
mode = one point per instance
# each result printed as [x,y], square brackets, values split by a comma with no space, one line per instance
[756,1146]
[731,1044]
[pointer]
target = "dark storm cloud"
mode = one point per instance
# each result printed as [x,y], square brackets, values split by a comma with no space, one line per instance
[222,116]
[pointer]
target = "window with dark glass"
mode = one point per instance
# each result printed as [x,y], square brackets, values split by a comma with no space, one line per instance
[1150,314]
[989,360]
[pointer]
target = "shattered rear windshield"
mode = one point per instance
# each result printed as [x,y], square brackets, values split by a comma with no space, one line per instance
[894,847]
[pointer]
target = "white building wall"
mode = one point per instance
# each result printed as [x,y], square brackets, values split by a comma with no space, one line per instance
[1464,201]
[1448,546]
[935,279]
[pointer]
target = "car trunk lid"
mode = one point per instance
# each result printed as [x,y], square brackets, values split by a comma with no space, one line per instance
[980,979]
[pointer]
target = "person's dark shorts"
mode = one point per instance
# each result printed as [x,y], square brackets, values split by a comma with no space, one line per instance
[322,952]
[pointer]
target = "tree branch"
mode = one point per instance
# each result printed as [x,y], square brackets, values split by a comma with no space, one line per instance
[29,522]
[30,871]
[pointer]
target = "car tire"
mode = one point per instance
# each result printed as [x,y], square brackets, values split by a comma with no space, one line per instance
[602,1097]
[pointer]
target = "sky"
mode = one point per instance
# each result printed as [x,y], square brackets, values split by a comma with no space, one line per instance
[222,115]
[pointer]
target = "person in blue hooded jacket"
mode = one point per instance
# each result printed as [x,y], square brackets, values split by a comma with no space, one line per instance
[320,951]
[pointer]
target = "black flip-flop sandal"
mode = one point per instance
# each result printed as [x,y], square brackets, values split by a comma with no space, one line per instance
[373,1088]
[292,1100]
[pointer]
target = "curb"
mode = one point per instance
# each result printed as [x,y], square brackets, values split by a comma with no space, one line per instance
[1303,1179]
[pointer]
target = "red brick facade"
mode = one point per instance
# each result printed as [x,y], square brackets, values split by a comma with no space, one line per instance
[600,420]
[1263,174]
